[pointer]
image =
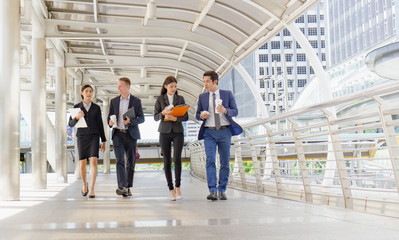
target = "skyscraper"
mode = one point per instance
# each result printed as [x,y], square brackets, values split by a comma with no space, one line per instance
[284,48]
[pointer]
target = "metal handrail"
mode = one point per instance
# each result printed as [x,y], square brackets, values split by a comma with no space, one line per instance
[348,166]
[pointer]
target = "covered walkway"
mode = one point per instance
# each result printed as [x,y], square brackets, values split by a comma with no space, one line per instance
[59,212]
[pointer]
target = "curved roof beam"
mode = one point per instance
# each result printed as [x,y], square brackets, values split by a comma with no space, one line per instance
[279,27]
[117,31]
[111,80]
[71,61]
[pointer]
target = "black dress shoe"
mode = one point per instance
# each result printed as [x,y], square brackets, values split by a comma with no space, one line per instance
[92,196]
[212,196]
[222,196]
[122,192]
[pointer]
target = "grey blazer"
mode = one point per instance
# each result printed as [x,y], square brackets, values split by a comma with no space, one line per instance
[166,127]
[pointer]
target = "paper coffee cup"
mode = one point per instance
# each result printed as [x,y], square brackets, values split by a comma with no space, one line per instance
[113,119]
[218,102]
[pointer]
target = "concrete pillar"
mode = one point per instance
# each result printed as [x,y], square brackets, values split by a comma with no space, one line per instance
[9,100]
[39,117]
[77,158]
[106,160]
[60,124]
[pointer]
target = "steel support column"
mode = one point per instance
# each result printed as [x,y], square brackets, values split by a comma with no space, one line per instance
[78,98]
[60,124]
[9,100]
[39,117]
[106,160]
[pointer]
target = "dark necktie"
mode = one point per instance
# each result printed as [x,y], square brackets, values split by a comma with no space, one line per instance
[217,117]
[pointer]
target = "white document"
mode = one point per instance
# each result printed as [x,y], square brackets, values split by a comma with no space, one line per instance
[81,122]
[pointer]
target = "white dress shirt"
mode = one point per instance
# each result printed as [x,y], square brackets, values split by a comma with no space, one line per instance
[123,107]
[210,121]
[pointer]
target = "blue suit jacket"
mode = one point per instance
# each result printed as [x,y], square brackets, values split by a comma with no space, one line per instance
[228,102]
[133,127]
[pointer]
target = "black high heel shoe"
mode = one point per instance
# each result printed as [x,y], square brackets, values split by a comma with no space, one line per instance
[84,194]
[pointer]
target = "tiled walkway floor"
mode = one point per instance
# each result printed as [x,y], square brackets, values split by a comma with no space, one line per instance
[60,212]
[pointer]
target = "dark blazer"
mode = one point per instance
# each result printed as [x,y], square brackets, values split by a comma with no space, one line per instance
[93,119]
[167,126]
[133,127]
[228,102]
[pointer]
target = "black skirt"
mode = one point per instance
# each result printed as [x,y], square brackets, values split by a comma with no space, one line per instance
[88,146]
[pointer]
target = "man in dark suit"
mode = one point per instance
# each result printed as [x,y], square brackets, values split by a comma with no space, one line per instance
[216,130]
[125,135]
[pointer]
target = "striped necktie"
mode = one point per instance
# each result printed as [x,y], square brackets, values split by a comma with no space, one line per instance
[216,115]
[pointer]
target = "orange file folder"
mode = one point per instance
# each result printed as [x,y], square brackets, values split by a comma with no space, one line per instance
[179,111]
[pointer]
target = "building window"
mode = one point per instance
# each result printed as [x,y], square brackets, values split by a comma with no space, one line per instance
[264,46]
[287,44]
[286,32]
[323,43]
[301,19]
[289,70]
[273,97]
[298,46]
[276,57]
[301,82]
[290,96]
[262,83]
[311,70]
[321,17]
[288,57]
[302,30]
[322,31]
[263,58]
[261,71]
[301,57]
[301,70]
[275,44]
[263,97]
[312,31]
[323,57]
[290,83]
[313,43]
[278,72]
[312,19]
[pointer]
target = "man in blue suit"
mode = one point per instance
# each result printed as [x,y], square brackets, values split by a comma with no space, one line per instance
[125,135]
[216,130]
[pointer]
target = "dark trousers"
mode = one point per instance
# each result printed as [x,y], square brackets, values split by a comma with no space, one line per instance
[166,140]
[222,139]
[124,144]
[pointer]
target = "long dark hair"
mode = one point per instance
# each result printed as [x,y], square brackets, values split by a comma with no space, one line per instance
[83,88]
[168,80]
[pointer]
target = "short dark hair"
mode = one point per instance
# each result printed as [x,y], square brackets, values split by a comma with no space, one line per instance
[168,80]
[83,88]
[126,80]
[214,76]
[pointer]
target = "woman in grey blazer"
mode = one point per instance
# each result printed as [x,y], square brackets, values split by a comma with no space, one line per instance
[170,131]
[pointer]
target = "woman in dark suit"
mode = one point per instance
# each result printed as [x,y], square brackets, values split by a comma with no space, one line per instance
[170,131]
[88,138]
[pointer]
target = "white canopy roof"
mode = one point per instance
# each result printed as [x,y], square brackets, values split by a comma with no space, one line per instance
[149,40]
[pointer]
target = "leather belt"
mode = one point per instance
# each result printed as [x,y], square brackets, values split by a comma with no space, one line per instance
[222,127]
[122,130]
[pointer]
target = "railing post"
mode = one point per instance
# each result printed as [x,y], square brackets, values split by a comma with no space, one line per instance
[390,138]
[340,160]
[238,164]
[255,163]
[275,162]
[302,161]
